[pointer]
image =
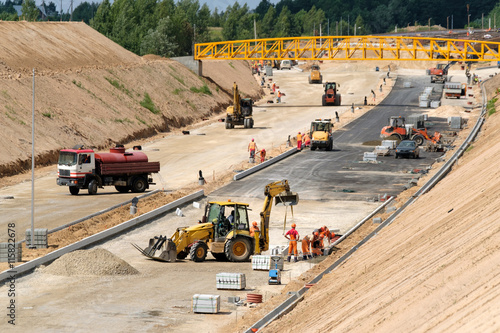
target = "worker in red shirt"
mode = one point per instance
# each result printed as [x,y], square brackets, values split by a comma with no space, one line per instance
[262,155]
[299,141]
[293,236]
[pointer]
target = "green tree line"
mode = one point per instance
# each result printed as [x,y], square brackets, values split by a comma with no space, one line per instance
[170,28]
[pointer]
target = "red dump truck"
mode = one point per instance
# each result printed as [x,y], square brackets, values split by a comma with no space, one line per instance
[83,168]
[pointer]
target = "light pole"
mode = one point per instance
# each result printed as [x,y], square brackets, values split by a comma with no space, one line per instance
[447,21]
[468,18]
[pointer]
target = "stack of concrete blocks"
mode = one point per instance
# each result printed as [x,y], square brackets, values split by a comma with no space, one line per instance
[15,248]
[39,239]
[435,104]
[391,144]
[455,122]
[381,150]
[235,281]
[418,120]
[265,263]
[407,84]
[424,98]
[370,157]
[206,303]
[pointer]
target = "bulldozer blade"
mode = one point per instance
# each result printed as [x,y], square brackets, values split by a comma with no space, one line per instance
[287,199]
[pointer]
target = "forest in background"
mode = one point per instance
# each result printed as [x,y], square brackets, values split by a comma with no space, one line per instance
[170,28]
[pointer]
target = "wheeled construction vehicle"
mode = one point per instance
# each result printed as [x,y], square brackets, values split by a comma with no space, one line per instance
[331,95]
[321,134]
[225,238]
[398,130]
[240,113]
[315,76]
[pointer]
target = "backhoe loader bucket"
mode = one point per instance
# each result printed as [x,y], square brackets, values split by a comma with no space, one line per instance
[166,246]
[287,198]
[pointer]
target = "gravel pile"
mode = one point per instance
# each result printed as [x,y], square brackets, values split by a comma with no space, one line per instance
[90,262]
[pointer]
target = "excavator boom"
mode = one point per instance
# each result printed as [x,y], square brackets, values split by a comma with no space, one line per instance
[279,190]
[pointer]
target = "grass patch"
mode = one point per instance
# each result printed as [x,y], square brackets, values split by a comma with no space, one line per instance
[490,106]
[177,91]
[148,104]
[78,84]
[47,114]
[469,148]
[118,85]
[140,120]
[204,90]
[231,64]
[192,105]
[123,121]
[181,81]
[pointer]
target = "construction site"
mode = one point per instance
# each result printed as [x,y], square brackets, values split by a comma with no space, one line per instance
[149,179]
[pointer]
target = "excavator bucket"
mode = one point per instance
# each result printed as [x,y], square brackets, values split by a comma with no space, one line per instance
[166,246]
[287,198]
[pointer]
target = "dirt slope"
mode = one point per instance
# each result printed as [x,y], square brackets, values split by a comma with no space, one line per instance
[89,91]
[435,268]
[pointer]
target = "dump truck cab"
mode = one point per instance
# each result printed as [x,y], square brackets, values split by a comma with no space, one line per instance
[321,134]
[315,76]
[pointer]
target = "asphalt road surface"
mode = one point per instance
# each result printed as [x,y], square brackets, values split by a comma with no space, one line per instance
[341,174]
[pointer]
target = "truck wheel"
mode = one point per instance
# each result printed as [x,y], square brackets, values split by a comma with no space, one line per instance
[122,189]
[310,80]
[198,252]
[419,140]
[330,146]
[251,123]
[74,190]
[139,185]
[93,187]
[324,100]
[338,100]
[238,249]
[313,147]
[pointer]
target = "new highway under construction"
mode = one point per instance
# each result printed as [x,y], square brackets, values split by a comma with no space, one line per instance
[433,266]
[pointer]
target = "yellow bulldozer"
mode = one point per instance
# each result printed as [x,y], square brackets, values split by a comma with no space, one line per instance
[224,231]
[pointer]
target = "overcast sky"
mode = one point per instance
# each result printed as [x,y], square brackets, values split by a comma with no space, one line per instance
[220,4]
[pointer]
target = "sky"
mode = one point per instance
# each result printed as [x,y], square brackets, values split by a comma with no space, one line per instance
[212,4]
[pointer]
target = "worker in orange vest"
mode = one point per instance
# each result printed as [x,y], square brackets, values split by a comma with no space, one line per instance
[255,233]
[293,236]
[299,141]
[252,146]
[306,248]
[316,245]
[306,140]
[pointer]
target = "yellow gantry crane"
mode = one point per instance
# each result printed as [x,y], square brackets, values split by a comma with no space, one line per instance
[350,48]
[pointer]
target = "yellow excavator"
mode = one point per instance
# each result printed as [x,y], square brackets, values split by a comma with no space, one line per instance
[240,113]
[224,231]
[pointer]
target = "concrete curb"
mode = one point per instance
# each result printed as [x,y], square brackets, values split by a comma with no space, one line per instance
[26,267]
[265,164]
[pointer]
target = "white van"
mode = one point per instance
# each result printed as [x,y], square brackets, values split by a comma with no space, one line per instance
[286,64]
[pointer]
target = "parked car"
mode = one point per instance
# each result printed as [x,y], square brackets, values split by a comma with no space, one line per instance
[286,64]
[407,148]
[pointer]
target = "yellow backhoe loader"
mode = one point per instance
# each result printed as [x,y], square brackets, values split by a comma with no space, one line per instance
[224,231]
[240,113]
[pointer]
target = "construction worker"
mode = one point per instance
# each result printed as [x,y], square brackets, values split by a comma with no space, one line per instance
[274,87]
[262,155]
[316,245]
[299,141]
[252,146]
[254,228]
[293,236]
[306,248]
[278,99]
[306,140]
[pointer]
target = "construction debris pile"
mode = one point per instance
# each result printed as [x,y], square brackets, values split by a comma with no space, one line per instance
[98,262]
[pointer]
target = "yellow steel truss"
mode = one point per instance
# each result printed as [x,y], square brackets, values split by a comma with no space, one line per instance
[351,48]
